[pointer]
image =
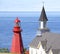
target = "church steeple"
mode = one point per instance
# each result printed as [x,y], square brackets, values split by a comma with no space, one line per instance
[17,43]
[42,22]
[43,16]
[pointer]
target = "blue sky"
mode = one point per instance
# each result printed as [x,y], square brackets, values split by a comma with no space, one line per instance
[29,5]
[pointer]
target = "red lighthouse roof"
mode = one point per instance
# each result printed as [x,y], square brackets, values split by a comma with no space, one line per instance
[17,20]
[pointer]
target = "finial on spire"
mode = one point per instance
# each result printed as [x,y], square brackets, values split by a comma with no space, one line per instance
[43,2]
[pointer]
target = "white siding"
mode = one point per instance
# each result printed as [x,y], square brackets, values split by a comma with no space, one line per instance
[50,52]
[37,51]
[42,25]
[32,50]
[41,50]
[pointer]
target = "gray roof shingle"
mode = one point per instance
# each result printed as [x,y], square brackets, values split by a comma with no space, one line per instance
[53,40]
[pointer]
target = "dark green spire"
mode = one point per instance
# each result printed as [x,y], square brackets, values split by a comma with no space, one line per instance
[43,16]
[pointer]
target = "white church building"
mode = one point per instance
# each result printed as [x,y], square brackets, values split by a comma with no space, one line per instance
[45,41]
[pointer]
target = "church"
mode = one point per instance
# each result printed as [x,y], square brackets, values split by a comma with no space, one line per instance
[45,41]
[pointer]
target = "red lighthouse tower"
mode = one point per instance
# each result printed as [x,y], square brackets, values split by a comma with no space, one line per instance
[17,43]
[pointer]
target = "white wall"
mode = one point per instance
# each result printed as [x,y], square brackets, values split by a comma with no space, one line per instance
[42,50]
[36,51]
[32,50]
[42,24]
[50,52]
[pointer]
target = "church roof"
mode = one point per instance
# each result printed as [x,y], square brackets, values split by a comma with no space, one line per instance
[36,41]
[55,51]
[53,40]
[43,16]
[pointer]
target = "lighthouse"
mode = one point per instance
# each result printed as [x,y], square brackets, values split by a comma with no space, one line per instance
[17,43]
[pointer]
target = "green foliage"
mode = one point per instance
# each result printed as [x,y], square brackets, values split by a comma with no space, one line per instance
[4,50]
[25,50]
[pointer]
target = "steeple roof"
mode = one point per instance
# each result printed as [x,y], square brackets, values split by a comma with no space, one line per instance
[43,16]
